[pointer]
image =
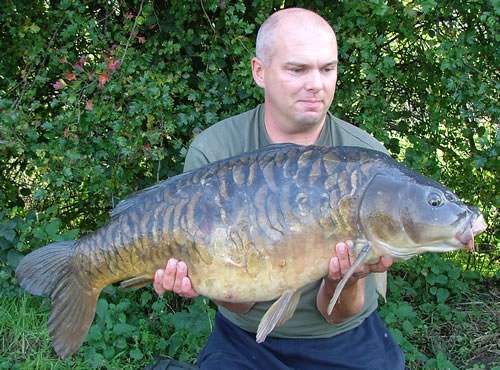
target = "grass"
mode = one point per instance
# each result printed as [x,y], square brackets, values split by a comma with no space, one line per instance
[477,340]
[24,342]
[130,329]
[460,330]
[474,339]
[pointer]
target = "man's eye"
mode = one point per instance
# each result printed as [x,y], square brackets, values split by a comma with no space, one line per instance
[329,68]
[297,70]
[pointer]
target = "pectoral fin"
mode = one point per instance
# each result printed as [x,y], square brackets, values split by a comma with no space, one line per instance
[280,312]
[136,282]
[381,283]
[362,257]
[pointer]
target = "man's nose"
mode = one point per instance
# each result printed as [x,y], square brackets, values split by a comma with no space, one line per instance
[314,81]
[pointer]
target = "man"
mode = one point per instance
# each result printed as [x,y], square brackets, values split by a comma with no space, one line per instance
[296,65]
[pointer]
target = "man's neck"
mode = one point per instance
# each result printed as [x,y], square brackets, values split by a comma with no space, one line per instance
[278,134]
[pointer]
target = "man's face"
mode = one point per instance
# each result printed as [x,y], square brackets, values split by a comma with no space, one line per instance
[300,78]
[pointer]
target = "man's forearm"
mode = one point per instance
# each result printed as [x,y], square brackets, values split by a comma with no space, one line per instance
[349,304]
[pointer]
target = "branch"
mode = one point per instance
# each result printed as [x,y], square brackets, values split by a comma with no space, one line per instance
[21,95]
[208,18]
[131,33]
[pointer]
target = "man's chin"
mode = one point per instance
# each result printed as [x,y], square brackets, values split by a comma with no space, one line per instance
[311,118]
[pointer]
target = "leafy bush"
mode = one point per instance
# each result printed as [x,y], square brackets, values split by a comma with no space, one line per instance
[101,98]
[437,313]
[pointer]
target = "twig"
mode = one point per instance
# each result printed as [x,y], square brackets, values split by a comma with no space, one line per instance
[208,18]
[21,95]
[158,171]
[131,33]
[157,20]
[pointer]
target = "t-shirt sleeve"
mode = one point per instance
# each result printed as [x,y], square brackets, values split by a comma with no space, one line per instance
[195,158]
[349,135]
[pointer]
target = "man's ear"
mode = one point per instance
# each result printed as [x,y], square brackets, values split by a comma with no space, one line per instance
[258,72]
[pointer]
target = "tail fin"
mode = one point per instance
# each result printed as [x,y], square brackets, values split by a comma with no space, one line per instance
[49,271]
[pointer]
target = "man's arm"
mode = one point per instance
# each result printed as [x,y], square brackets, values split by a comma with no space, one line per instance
[351,299]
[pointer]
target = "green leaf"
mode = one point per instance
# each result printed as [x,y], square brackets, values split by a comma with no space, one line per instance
[34,28]
[5,244]
[443,362]
[102,308]
[123,305]
[40,233]
[109,353]
[408,327]
[175,341]
[442,294]
[146,297]
[13,258]
[7,233]
[52,228]
[434,279]
[136,354]
[94,334]
[124,329]
[70,234]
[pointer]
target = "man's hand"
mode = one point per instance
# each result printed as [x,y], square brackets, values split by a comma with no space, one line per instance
[343,259]
[174,278]
[351,299]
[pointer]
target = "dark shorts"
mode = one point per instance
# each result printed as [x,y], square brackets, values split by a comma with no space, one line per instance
[368,346]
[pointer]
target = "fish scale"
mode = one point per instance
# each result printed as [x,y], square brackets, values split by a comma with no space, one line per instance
[255,227]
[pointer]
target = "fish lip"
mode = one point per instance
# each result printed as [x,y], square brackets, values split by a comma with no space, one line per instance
[402,254]
[442,248]
[466,238]
[473,226]
[408,252]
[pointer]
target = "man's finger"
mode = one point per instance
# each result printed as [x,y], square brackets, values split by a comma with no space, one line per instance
[187,288]
[157,283]
[343,256]
[334,272]
[169,274]
[179,276]
[382,265]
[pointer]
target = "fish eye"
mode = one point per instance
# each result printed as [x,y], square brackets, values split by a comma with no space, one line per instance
[435,200]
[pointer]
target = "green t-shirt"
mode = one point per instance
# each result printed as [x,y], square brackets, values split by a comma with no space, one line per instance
[246,132]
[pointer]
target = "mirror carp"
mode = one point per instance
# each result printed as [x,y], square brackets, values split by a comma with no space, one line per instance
[251,228]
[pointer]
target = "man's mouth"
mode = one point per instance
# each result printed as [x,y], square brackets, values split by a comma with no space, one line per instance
[310,100]
[311,103]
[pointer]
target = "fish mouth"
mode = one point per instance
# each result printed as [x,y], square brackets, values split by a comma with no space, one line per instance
[474,226]
[464,239]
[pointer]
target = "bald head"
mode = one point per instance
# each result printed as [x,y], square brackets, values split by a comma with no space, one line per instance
[279,23]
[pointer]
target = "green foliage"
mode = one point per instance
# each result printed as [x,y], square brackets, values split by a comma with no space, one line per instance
[441,316]
[142,328]
[129,330]
[101,98]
